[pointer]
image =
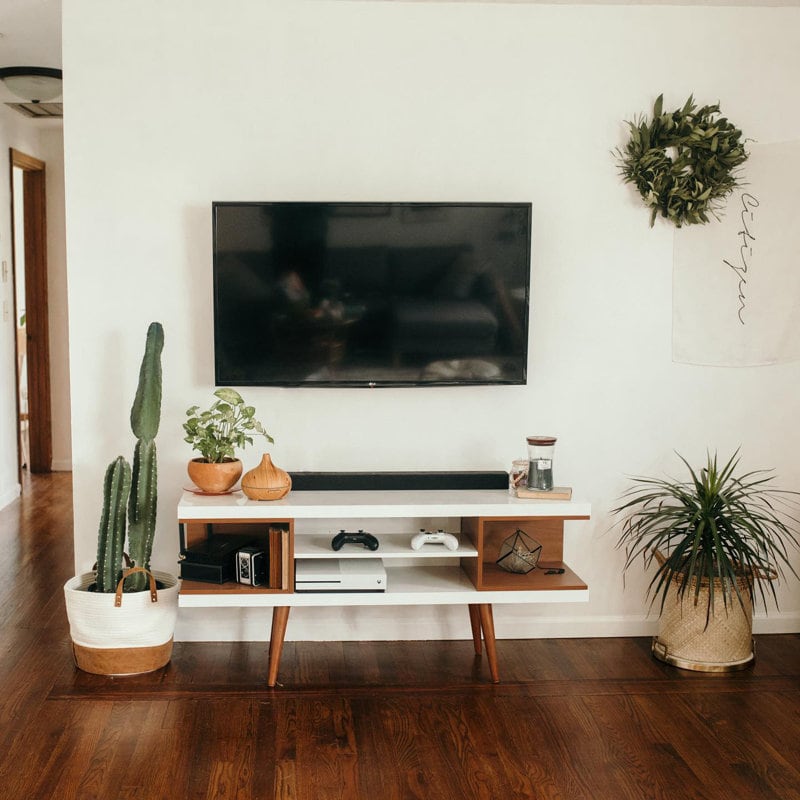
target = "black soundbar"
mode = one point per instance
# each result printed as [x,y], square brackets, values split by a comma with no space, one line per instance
[388,481]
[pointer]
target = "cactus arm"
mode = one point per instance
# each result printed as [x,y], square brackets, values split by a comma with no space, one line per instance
[111,537]
[146,410]
[142,507]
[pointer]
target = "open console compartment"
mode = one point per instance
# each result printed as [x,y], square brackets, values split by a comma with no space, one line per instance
[205,556]
[487,534]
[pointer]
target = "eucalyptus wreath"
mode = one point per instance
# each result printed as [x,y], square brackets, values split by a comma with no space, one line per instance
[684,163]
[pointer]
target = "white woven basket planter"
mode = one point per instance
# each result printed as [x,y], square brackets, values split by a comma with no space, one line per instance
[128,639]
[684,640]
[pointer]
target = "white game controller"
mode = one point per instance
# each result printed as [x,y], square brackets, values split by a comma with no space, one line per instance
[429,537]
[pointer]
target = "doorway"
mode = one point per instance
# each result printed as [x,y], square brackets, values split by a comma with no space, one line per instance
[29,262]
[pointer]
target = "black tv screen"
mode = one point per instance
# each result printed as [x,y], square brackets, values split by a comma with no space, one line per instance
[371,294]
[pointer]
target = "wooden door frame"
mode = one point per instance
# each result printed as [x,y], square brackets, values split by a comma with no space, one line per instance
[36,311]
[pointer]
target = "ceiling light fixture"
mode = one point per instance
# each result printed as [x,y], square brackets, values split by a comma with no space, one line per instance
[35,84]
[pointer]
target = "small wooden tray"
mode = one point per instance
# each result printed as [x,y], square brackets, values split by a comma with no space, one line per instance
[556,493]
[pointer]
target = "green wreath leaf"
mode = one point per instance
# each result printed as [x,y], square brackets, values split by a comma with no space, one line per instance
[683,163]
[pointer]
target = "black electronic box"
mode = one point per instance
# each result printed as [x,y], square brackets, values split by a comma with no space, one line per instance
[213,560]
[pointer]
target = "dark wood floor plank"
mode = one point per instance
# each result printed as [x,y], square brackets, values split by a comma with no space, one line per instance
[527,754]
[576,762]
[287,732]
[644,763]
[232,757]
[705,755]
[746,744]
[109,766]
[327,758]
[65,766]
[391,763]
[460,757]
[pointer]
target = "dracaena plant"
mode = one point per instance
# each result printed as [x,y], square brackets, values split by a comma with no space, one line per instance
[229,424]
[729,533]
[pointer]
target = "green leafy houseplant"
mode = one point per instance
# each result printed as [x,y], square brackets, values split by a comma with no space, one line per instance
[227,425]
[725,532]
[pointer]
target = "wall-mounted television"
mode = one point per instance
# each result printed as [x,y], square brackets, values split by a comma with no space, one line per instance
[371,294]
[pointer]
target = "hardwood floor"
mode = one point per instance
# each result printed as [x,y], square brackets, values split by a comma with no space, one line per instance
[573,718]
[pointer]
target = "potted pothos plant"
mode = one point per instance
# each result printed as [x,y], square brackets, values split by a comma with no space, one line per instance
[716,540]
[122,620]
[216,433]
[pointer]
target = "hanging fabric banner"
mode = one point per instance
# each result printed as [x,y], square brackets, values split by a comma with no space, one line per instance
[736,282]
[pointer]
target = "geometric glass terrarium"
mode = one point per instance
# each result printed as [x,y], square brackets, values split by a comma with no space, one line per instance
[519,553]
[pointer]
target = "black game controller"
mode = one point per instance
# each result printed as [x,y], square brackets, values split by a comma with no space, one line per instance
[362,537]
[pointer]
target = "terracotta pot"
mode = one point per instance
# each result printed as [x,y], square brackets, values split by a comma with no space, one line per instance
[266,481]
[215,478]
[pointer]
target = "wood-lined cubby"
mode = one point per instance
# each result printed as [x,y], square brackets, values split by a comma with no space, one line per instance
[276,536]
[487,534]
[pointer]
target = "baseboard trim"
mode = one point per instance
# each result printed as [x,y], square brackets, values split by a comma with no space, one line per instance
[10,496]
[61,465]
[396,623]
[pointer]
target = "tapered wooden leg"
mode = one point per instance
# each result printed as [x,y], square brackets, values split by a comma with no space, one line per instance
[475,621]
[280,618]
[487,623]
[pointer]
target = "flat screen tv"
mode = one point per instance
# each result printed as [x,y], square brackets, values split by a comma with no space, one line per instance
[371,294]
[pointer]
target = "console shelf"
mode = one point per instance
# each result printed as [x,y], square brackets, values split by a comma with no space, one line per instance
[393,546]
[432,575]
[407,586]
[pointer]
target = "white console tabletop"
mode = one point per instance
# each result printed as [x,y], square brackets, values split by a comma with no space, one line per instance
[384,504]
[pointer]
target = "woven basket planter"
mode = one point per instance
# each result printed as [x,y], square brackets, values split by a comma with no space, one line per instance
[684,640]
[122,634]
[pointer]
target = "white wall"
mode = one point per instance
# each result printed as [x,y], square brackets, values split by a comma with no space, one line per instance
[41,140]
[418,101]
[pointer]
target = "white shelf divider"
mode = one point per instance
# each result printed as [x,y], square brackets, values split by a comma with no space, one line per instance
[406,586]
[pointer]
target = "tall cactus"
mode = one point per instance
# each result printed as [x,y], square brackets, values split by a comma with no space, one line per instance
[137,487]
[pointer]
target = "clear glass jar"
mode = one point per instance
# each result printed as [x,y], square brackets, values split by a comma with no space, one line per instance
[518,476]
[540,462]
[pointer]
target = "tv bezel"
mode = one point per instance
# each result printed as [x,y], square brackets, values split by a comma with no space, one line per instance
[378,384]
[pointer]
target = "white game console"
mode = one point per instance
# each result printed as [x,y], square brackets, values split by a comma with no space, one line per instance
[339,575]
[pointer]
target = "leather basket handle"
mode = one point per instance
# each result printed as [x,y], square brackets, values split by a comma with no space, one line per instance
[153,591]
